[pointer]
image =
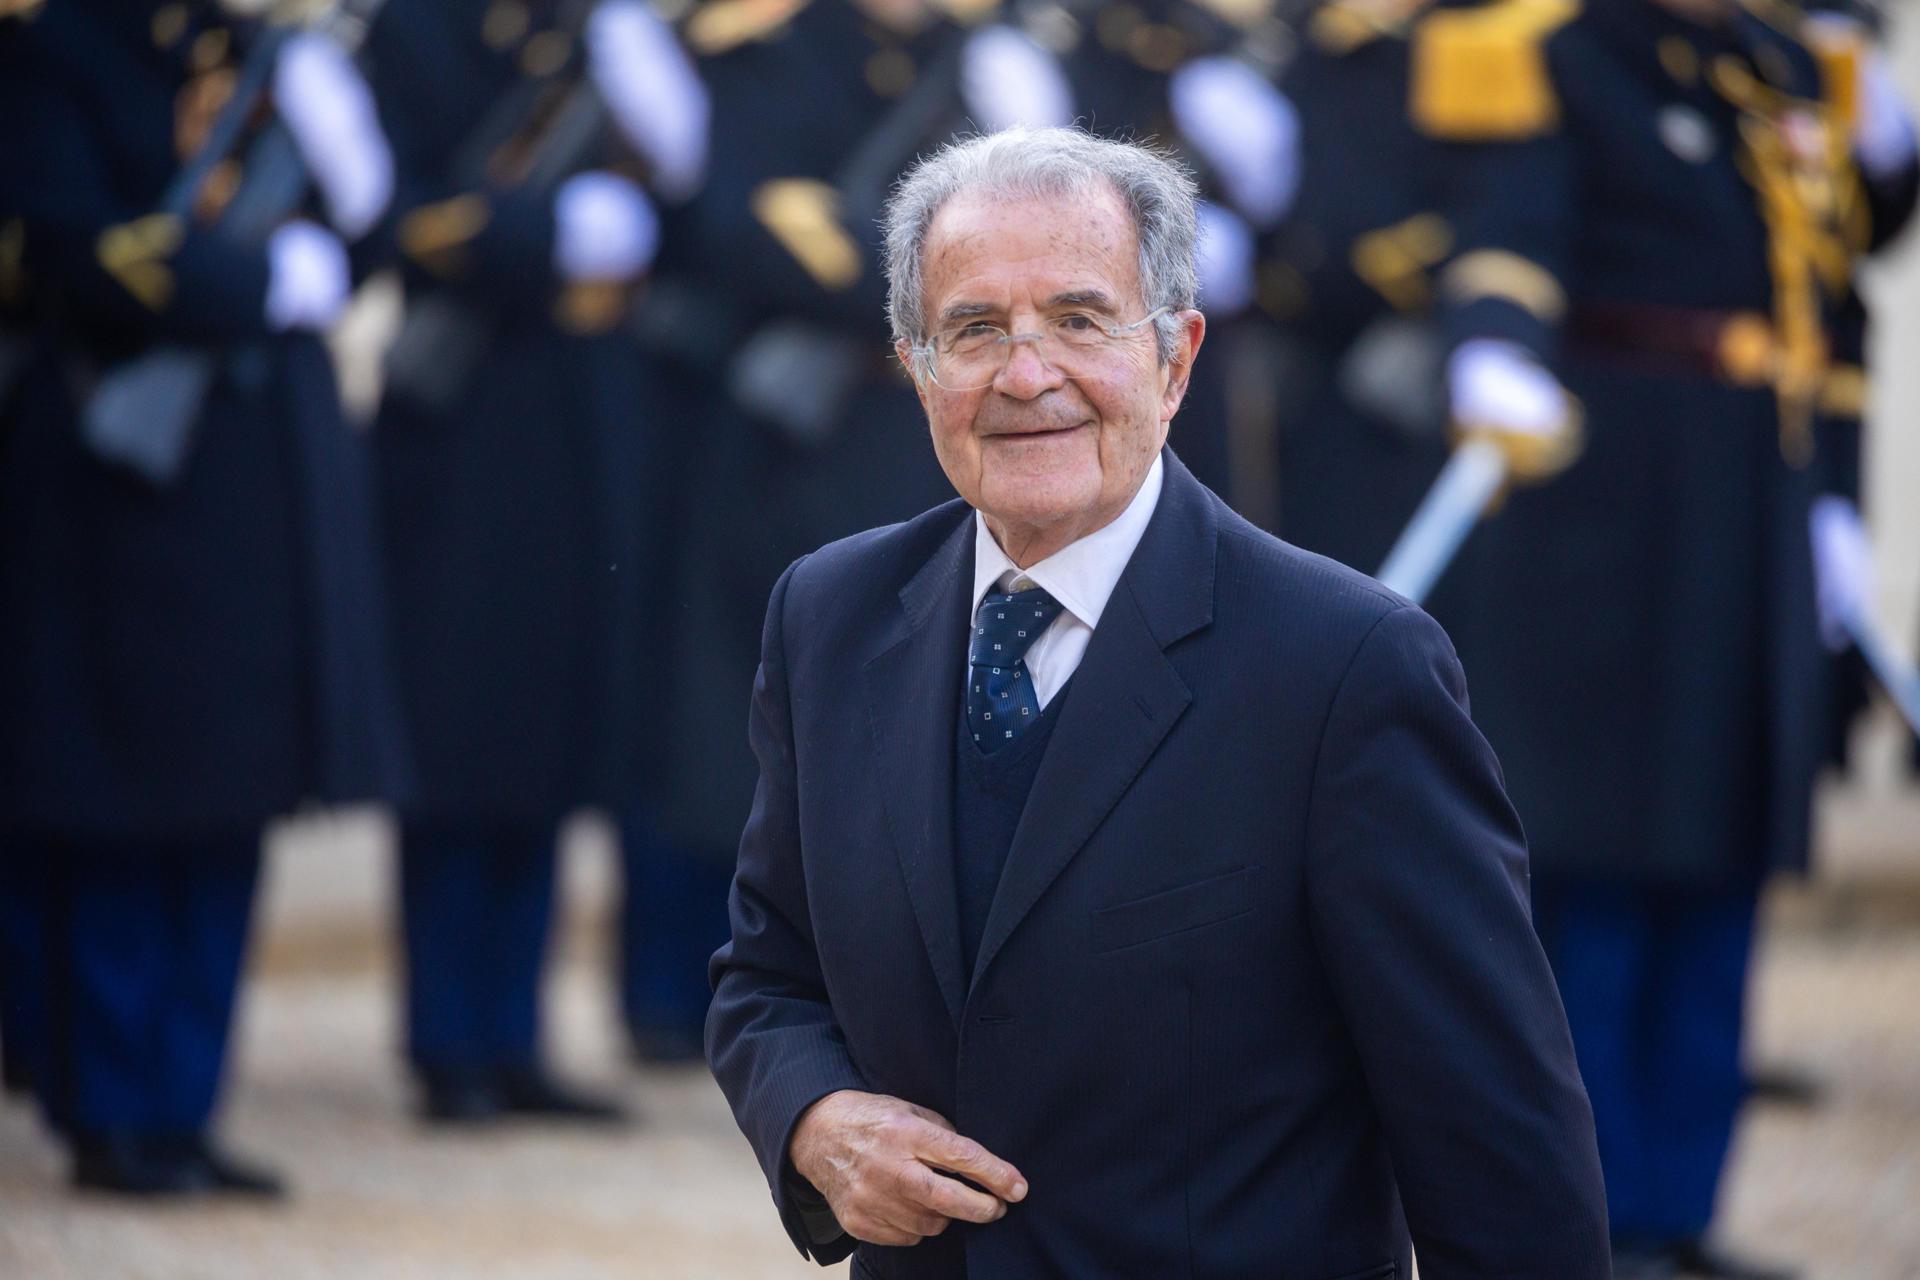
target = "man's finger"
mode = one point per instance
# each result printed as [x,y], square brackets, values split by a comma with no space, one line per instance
[905,1217]
[957,1154]
[948,1197]
[873,1231]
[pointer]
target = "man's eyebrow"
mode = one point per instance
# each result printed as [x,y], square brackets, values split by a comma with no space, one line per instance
[1098,299]
[967,311]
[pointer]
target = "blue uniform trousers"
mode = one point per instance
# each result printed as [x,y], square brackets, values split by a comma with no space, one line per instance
[144,948]
[1655,985]
[673,918]
[477,907]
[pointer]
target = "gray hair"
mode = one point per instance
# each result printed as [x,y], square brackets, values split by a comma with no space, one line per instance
[1024,164]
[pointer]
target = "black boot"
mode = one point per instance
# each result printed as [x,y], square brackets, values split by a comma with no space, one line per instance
[455,1098]
[1698,1258]
[131,1166]
[668,1046]
[530,1091]
[230,1174]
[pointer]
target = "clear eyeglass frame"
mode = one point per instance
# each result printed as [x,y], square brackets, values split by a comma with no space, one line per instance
[1063,350]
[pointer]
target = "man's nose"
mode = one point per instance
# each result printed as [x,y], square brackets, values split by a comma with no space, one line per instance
[1027,374]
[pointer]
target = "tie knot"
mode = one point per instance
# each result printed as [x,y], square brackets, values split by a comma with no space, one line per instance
[1008,623]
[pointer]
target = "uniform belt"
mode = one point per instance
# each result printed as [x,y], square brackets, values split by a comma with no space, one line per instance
[1736,347]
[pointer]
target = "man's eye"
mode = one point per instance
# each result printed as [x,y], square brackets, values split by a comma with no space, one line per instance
[1077,322]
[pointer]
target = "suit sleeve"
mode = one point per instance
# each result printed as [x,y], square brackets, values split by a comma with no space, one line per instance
[772,1039]
[1418,889]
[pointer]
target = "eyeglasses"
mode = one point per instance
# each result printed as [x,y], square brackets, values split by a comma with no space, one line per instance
[968,356]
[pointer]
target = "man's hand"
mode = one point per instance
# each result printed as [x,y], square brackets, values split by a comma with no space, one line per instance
[883,1165]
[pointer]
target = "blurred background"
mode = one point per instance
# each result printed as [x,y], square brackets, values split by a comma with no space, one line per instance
[407,409]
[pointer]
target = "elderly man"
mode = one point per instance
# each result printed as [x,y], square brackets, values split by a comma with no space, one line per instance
[1126,892]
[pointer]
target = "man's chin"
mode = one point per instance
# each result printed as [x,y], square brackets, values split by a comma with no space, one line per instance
[1025,510]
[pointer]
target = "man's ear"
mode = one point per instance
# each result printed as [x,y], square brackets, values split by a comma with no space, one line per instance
[903,352]
[1180,364]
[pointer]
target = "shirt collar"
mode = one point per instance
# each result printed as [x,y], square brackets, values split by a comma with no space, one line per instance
[1082,574]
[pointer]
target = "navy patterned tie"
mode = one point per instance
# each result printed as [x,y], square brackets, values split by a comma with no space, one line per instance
[1001,702]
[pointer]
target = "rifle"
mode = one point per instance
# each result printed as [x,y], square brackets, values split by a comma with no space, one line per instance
[143,411]
[443,337]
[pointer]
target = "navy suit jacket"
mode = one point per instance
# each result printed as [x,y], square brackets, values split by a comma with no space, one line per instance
[1258,996]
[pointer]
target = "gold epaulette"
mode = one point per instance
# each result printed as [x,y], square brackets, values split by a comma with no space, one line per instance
[968,13]
[1481,75]
[1345,25]
[724,25]
[1242,14]
[135,254]
[803,214]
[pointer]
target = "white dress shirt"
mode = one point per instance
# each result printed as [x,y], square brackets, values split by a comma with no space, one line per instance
[1080,575]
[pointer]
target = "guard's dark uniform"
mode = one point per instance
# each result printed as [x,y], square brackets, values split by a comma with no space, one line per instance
[513,450]
[178,663]
[1121,58]
[771,295]
[1348,283]
[1666,212]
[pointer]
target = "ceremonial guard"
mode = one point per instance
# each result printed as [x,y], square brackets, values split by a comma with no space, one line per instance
[192,641]
[1348,281]
[1197,76]
[517,448]
[769,300]
[1657,209]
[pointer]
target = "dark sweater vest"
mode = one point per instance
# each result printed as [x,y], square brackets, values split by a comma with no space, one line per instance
[989,795]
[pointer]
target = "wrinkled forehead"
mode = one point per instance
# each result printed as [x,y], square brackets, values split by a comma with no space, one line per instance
[982,248]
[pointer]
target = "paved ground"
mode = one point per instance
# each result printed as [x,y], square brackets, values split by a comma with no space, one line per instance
[379,1199]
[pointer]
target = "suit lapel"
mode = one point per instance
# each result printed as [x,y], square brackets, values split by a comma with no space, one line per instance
[913,694]
[1124,699]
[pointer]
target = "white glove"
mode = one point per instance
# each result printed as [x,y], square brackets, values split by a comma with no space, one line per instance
[650,86]
[1246,130]
[605,228]
[1225,257]
[330,113]
[1883,136]
[1842,567]
[1500,387]
[1006,79]
[308,279]
[1502,396]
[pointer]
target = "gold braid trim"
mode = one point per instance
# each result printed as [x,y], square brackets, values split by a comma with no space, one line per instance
[804,216]
[1394,261]
[1801,203]
[724,25]
[134,254]
[436,235]
[1496,273]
